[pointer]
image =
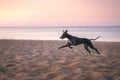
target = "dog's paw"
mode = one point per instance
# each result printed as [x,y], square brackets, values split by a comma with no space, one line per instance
[70,47]
[59,48]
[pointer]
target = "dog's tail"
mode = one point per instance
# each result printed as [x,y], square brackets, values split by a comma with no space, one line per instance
[95,38]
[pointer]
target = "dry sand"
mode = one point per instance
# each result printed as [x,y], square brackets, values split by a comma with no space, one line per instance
[42,60]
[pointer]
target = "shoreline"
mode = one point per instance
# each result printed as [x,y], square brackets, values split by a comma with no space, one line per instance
[54,40]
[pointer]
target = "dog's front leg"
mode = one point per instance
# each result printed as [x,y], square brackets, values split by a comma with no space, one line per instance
[67,45]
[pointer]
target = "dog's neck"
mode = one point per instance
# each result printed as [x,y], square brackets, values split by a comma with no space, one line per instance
[69,36]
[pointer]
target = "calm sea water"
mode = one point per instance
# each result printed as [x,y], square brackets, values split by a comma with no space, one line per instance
[53,33]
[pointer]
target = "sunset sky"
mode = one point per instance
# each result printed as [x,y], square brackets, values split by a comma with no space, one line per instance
[59,12]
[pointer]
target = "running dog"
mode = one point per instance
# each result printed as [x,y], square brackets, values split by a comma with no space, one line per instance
[76,41]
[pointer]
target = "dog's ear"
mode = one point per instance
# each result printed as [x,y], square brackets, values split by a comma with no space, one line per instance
[66,31]
[63,31]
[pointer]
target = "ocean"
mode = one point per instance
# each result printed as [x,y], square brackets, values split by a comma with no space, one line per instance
[111,34]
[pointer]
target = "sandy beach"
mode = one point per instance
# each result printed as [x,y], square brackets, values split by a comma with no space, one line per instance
[42,60]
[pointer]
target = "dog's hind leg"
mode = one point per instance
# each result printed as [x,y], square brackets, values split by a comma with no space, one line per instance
[86,47]
[92,47]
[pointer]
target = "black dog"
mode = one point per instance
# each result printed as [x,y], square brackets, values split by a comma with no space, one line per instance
[76,41]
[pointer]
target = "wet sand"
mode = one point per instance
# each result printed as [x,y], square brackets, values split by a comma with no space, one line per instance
[42,60]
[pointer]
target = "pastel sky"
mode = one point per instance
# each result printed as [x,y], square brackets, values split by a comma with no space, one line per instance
[59,12]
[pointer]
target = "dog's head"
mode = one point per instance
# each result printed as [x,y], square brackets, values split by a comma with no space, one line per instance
[64,35]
